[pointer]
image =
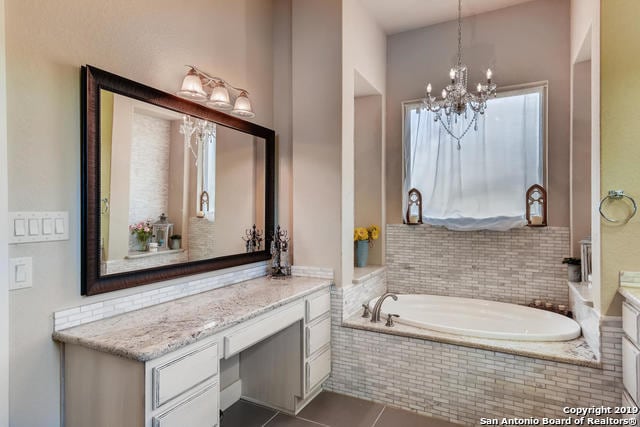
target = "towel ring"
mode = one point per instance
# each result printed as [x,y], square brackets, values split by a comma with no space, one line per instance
[618,195]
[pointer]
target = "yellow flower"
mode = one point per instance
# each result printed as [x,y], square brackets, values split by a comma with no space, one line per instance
[355,234]
[374,230]
[362,233]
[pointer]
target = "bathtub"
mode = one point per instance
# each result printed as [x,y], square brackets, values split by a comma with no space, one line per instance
[480,318]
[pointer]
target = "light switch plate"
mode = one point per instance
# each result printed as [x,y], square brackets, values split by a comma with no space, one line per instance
[31,227]
[20,273]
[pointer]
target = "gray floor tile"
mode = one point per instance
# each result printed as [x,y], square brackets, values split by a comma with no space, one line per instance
[337,410]
[245,414]
[283,420]
[392,417]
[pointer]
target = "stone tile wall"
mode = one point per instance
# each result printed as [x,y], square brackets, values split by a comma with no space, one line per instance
[514,266]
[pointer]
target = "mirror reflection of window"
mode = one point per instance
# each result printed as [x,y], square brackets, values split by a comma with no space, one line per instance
[207,174]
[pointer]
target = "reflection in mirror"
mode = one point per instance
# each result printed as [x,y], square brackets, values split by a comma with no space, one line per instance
[174,188]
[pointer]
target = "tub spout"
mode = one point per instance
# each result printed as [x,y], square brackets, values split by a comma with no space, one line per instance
[375,313]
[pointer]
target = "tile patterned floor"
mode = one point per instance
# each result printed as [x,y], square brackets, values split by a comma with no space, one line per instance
[328,410]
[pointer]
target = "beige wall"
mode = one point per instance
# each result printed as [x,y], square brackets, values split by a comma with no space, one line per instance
[147,41]
[316,132]
[282,115]
[581,156]
[368,174]
[524,43]
[364,47]
[4,294]
[620,133]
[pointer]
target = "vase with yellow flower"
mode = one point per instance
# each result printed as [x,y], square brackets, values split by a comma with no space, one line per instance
[363,238]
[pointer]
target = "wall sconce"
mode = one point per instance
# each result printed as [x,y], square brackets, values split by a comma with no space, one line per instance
[536,209]
[193,89]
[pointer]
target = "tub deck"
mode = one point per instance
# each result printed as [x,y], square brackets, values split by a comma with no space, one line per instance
[576,351]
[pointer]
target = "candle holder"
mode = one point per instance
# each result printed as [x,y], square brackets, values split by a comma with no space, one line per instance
[280,266]
[414,208]
[536,211]
[253,239]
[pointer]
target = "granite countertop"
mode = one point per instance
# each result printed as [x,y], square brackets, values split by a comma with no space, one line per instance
[632,294]
[151,332]
[576,351]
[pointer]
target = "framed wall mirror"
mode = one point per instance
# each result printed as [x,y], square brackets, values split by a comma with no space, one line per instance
[169,187]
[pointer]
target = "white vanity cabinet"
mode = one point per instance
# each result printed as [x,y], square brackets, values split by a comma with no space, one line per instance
[177,389]
[631,356]
[284,357]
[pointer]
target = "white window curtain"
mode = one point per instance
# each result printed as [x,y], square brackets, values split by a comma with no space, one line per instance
[481,186]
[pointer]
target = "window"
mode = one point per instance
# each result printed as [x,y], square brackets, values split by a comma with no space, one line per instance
[482,185]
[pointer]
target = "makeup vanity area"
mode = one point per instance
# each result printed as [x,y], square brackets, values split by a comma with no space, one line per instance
[211,178]
[160,366]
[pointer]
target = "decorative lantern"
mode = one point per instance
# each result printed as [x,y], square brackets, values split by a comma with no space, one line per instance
[536,206]
[414,208]
[162,229]
[204,204]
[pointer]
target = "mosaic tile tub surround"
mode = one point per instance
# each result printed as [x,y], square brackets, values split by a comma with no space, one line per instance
[515,266]
[463,384]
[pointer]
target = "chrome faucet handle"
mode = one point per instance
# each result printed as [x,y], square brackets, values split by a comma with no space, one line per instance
[390,320]
[367,311]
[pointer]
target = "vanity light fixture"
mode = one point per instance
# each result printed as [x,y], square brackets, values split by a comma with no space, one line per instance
[456,99]
[219,97]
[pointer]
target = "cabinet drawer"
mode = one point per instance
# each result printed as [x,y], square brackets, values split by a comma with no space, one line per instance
[243,338]
[199,410]
[318,369]
[317,305]
[630,368]
[318,335]
[630,321]
[179,375]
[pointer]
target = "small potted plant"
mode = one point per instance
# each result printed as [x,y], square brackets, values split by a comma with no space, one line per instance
[176,241]
[363,238]
[143,233]
[573,269]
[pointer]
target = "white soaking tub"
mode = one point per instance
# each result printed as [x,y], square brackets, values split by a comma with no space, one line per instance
[479,318]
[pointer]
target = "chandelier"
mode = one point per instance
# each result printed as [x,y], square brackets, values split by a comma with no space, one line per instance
[456,99]
[202,131]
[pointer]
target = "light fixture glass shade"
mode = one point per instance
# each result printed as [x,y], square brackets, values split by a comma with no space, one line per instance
[242,107]
[192,87]
[219,97]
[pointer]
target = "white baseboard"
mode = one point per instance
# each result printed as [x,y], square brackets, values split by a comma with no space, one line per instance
[230,395]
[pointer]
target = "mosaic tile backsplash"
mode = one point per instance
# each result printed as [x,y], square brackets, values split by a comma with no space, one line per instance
[514,266]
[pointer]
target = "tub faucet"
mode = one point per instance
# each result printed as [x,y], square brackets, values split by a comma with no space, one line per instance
[375,313]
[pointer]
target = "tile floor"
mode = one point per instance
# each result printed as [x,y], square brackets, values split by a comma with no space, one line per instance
[328,410]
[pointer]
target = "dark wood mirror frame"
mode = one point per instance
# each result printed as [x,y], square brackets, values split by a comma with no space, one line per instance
[93,80]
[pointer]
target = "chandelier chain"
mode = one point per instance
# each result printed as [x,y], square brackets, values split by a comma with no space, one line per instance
[459,33]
